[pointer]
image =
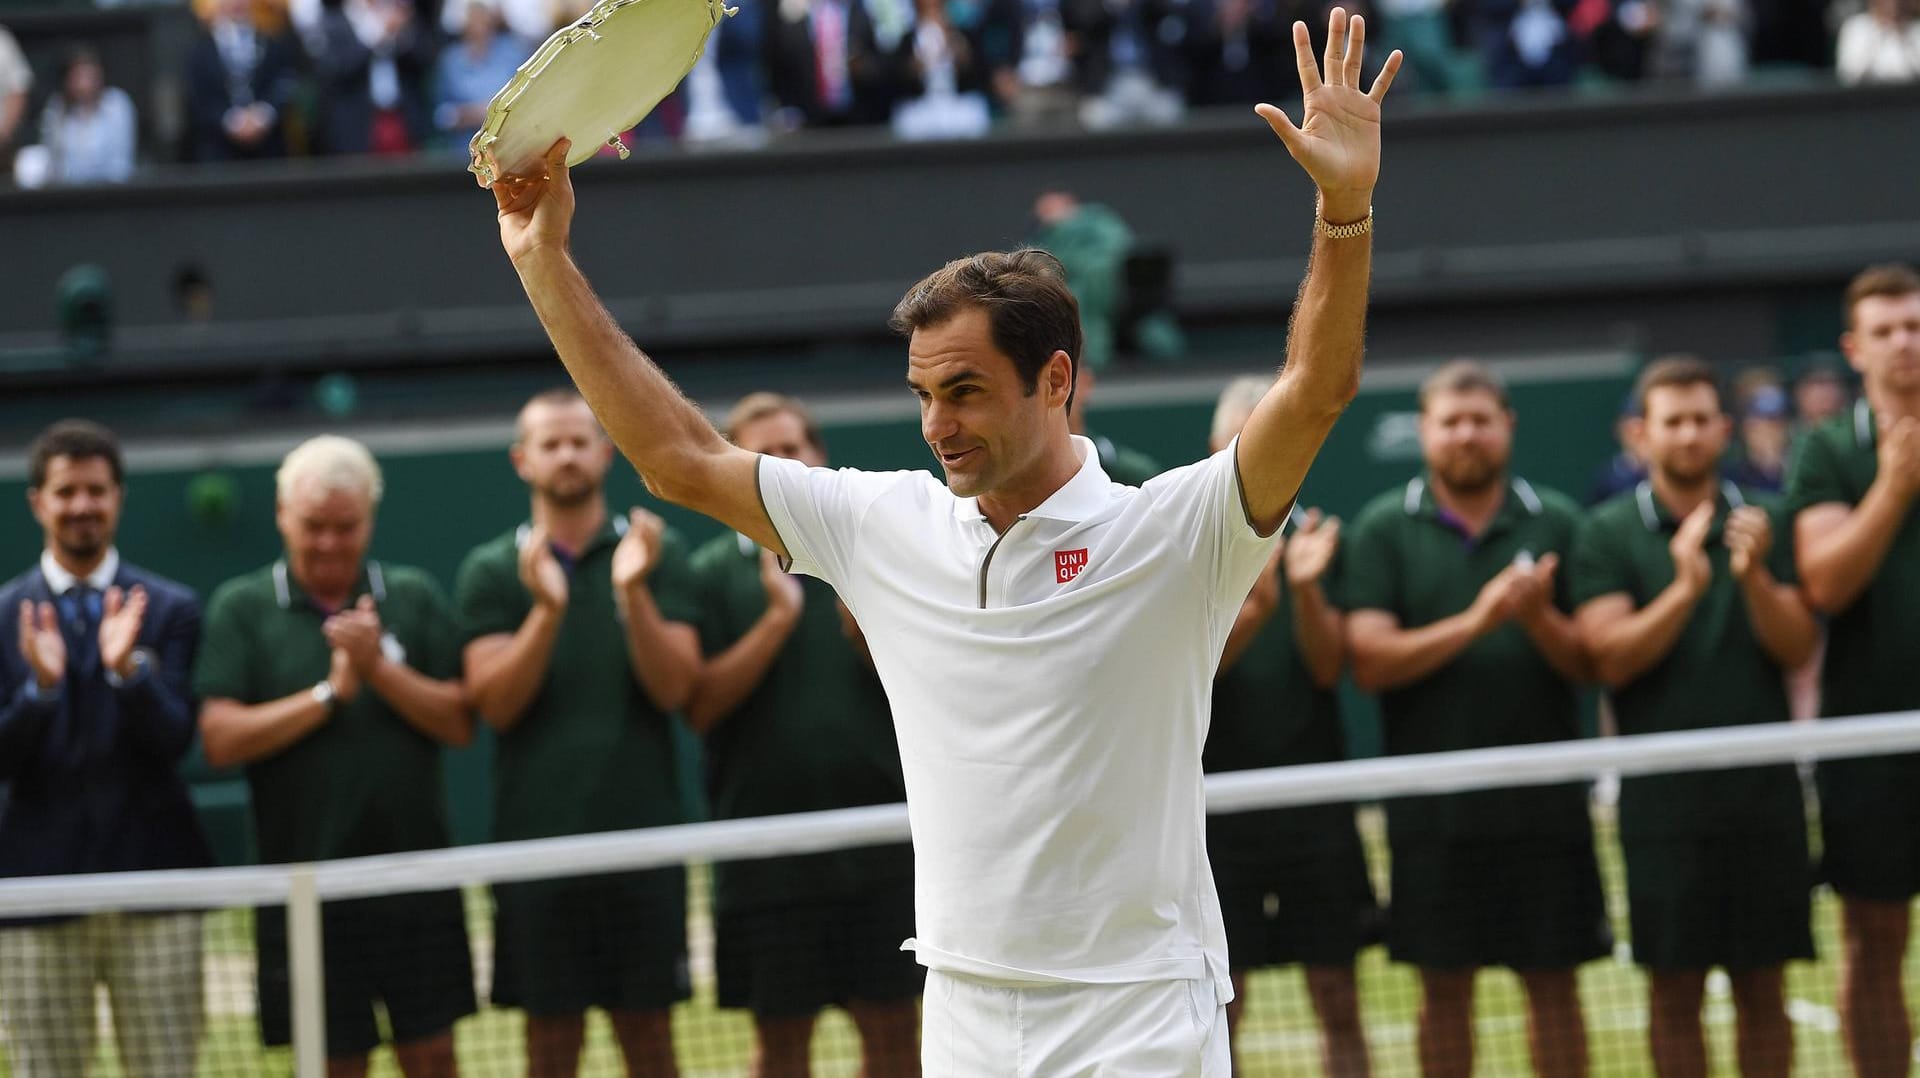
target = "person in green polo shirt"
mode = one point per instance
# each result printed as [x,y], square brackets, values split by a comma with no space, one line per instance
[579,646]
[795,720]
[1689,606]
[1122,465]
[1459,621]
[334,679]
[1293,882]
[1854,488]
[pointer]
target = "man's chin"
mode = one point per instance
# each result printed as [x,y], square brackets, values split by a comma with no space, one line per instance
[83,548]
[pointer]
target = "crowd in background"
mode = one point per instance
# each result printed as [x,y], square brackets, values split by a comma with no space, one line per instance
[270,78]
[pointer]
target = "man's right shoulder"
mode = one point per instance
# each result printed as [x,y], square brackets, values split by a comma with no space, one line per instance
[253,586]
[1383,510]
[16,589]
[504,547]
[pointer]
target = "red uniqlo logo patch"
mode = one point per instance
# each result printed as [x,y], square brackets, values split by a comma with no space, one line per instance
[1068,563]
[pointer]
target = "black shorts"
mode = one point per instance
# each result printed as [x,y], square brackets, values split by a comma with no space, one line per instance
[617,941]
[404,953]
[1742,902]
[792,960]
[1524,903]
[1870,827]
[1309,905]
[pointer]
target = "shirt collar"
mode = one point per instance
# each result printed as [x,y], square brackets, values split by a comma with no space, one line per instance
[1522,498]
[373,581]
[1656,517]
[1863,423]
[1077,499]
[613,531]
[59,581]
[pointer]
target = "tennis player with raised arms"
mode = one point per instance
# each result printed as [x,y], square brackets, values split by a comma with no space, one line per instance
[1047,637]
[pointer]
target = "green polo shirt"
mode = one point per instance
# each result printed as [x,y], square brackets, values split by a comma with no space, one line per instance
[1124,465]
[1716,675]
[1404,556]
[364,782]
[1870,644]
[814,734]
[591,752]
[1267,712]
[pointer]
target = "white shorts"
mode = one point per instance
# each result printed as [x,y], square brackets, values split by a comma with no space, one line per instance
[1149,1029]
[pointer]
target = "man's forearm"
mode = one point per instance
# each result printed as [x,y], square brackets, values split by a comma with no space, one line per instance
[1387,659]
[1326,340]
[1560,644]
[232,733]
[503,686]
[644,413]
[665,656]
[436,708]
[727,679]
[1631,646]
[1318,631]
[1837,565]
[1781,621]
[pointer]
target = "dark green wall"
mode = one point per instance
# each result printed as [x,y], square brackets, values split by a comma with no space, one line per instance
[439,505]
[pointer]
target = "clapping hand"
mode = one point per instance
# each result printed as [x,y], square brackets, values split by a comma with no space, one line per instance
[1749,536]
[639,549]
[1310,549]
[42,645]
[356,631]
[121,615]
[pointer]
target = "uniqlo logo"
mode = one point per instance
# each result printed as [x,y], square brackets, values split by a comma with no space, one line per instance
[1068,563]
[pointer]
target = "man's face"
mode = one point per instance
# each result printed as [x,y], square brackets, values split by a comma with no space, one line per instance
[326,533]
[561,453]
[1817,398]
[1684,432]
[1884,344]
[78,506]
[982,423]
[1466,438]
[780,434]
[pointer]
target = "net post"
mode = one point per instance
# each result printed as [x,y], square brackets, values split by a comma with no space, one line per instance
[307,977]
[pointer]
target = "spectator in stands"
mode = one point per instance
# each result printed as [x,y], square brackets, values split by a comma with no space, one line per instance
[1702,41]
[1760,460]
[796,720]
[1821,392]
[473,69]
[1293,882]
[16,79]
[1689,605]
[1880,44]
[1236,51]
[1624,470]
[95,716]
[239,81]
[1458,619]
[1091,242]
[333,678]
[824,66]
[1121,464]
[372,59]
[531,21]
[1855,490]
[1525,43]
[723,91]
[579,647]
[942,79]
[1033,76]
[89,128]
[1126,72]
[1422,30]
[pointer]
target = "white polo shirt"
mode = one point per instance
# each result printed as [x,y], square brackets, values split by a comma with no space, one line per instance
[1051,688]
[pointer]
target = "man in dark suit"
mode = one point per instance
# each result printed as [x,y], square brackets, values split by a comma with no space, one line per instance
[239,83]
[95,713]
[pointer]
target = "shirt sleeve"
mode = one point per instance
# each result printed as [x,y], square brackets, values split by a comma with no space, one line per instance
[1814,477]
[1369,572]
[818,512]
[486,600]
[1597,566]
[675,591]
[1207,511]
[224,667]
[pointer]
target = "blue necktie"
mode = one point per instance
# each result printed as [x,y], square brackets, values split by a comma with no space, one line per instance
[80,612]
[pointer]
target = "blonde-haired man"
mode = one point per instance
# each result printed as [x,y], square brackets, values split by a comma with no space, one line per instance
[334,680]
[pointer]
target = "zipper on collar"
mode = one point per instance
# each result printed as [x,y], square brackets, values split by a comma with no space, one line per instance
[987,561]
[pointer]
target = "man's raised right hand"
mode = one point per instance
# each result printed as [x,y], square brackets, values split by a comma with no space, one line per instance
[536,212]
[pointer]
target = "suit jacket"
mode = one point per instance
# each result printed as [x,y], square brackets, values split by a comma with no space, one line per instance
[95,770]
[212,89]
[793,76]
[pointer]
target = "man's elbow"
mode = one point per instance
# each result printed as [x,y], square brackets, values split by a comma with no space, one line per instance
[216,744]
[459,729]
[1822,593]
[1369,673]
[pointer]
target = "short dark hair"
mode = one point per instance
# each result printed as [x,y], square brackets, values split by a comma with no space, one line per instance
[77,439]
[1673,372]
[1030,311]
[1888,279]
[757,406]
[557,397]
[1463,376]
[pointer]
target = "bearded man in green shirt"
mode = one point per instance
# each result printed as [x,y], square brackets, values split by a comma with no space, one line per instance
[578,649]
